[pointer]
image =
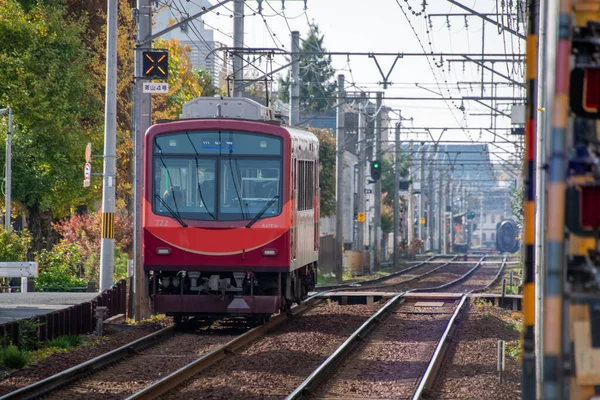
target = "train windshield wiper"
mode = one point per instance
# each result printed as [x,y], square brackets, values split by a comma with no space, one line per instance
[173,213]
[261,212]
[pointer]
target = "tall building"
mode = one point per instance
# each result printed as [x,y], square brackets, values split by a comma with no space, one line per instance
[193,34]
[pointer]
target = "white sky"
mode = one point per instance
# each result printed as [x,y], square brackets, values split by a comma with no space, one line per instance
[380,26]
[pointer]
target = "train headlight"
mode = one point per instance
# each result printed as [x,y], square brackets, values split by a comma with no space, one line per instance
[269,252]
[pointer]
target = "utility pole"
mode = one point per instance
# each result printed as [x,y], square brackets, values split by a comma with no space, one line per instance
[238,42]
[377,195]
[439,205]
[295,83]
[397,193]
[444,225]
[430,197]
[142,111]
[360,196]
[422,195]
[411,207]
[339,213]
[107,245]
[8,178]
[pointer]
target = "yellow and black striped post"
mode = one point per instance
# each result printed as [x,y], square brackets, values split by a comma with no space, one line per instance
[528,378]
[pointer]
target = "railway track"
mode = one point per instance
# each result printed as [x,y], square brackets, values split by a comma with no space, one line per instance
[158,364]
[134,366]
[395,354]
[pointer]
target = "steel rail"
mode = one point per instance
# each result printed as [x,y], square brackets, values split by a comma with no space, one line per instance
[368,285]
[341,352]
[441,349]
[186,372]
[494,280]
[454,282]
[380,279]
[51,383]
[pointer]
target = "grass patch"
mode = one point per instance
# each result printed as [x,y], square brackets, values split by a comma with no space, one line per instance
[12,357]
[66,342]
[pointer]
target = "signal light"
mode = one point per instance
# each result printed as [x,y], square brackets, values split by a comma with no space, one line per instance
[155,64]
[375,170]
[591,92]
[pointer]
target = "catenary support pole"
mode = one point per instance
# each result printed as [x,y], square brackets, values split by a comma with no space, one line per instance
[376,246]
[238,42]
[360,184]
[107,244]
[410,219]
[422,196]
[142,117]
[295,83]
[397,194]
[340,148]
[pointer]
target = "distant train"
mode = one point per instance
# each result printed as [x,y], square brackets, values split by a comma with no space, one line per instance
[230,212]
[507,236]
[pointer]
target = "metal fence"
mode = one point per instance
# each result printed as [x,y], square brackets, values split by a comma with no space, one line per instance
[75,320]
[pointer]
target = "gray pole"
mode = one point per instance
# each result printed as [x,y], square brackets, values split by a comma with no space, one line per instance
[339,213]
[430,197]
[107,245]
[452,232]
[360,185]
[142,117]
[238,41]
[295,83]
[439,206]
[444,225]
[411,205]
[397,193]
[8,189]
[377,195]
[422,195]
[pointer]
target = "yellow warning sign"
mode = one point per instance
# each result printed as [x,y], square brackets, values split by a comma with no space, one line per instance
[361,217]
[108,220]
[422,221]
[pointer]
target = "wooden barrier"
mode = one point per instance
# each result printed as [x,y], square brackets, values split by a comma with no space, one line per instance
[75,320]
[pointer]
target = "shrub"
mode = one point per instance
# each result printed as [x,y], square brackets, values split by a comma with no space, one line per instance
[28,334]
[66,342]
[12,357]
[14,245]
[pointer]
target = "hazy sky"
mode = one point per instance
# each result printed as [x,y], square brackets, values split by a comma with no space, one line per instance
[381,26]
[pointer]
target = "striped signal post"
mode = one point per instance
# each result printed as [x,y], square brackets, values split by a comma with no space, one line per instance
[528,376]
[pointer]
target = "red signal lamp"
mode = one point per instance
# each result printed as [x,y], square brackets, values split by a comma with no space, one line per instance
[590,212]
[591,94]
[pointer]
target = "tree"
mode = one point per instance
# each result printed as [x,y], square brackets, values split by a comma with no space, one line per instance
[327,159]
[185,82]
[44,78]
[317,85]
[387,177]
[516,203]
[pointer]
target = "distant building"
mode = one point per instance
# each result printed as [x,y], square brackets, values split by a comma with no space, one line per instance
[196,36]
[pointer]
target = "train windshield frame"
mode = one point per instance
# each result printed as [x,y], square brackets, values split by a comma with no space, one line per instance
[217,175]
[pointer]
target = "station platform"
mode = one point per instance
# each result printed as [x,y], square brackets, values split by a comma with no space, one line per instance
[14,306]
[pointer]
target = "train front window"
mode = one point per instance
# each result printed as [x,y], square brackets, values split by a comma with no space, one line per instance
[217,175]
[247,186]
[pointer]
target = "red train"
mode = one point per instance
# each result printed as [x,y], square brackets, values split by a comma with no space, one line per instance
[231,211]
